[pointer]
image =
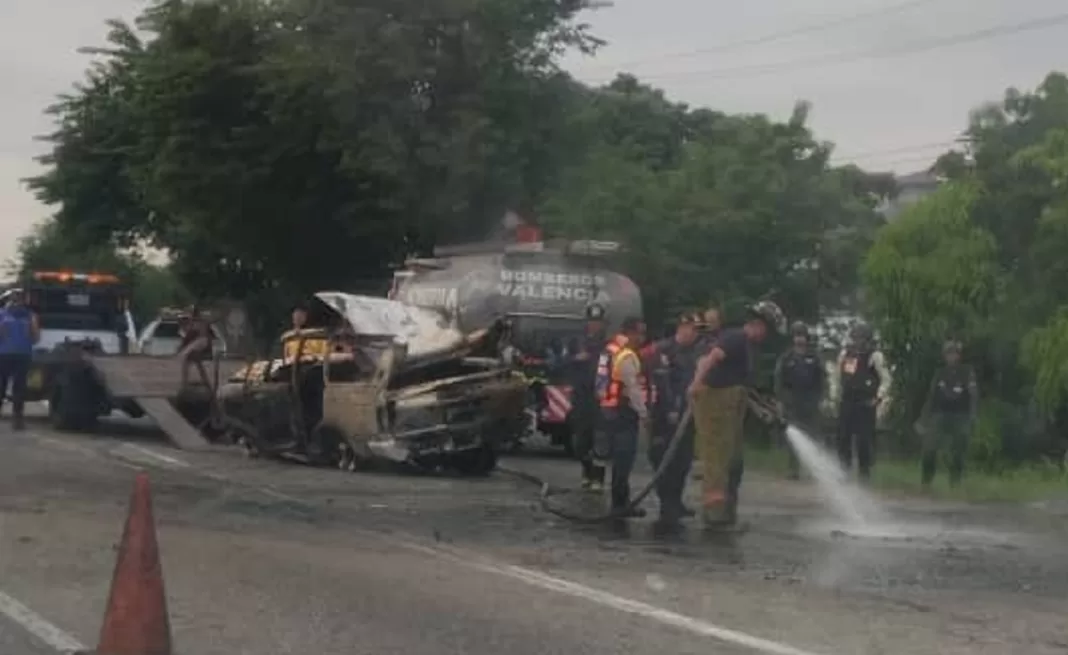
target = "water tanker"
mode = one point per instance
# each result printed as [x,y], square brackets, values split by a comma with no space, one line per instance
[545,290]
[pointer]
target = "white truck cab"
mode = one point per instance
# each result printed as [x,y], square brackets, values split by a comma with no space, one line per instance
[81,308]
[163,336]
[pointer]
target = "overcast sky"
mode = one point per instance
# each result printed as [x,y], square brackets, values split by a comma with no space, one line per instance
[884,110]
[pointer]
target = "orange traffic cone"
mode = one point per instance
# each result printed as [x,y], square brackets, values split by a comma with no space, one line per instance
[136,620]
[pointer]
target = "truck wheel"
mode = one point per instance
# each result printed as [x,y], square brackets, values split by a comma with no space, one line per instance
[69,409]
[326,445]
[479,462]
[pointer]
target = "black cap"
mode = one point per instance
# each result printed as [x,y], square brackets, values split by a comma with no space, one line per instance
[594,313]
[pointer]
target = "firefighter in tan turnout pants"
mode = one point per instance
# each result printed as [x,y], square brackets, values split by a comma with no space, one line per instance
[719,397]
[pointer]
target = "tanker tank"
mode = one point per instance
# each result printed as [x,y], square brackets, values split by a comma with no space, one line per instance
[545,293]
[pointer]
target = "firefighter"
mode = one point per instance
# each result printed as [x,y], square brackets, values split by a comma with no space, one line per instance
[623,392]
[584,409]
[861,391]
[949,415]
[799,386]
[719,397]
[676,359]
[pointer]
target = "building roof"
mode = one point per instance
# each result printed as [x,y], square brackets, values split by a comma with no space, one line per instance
[917,179]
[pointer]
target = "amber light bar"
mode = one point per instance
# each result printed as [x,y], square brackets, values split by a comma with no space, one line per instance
[68,276]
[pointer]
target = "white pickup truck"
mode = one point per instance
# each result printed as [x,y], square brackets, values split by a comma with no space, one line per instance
[162,337]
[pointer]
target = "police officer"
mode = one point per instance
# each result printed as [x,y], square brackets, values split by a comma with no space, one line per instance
[584,407]
[677,359]
[719,396]
[623,390]
[19,332]
[862,386]
[799,386]
[949,414]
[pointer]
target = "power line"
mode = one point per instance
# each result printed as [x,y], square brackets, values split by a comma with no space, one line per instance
[929,161]
[871,154]
[1031,25]
[778,36]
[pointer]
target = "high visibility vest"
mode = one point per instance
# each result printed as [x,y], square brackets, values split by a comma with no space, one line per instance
[609,380]
[310,342]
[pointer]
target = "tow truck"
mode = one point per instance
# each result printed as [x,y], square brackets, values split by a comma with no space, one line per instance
[85,364]
[77,312]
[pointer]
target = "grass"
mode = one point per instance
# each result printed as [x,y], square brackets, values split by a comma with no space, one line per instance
[1022,484]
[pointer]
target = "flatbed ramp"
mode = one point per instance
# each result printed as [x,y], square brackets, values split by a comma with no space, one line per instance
[154,382]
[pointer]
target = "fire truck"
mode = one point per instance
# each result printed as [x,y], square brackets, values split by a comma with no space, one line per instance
[543,288]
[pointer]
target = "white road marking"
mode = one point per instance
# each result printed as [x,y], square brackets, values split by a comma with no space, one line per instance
[85,450]
[38,626]
[146,456]
[279,495]
[575,590]
[69,446]
[148,452]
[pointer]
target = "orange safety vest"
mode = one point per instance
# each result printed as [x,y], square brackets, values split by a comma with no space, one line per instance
[609,380]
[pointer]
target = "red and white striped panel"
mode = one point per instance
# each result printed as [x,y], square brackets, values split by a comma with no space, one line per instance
[557,406]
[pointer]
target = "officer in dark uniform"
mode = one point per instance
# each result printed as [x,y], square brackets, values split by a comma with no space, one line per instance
[675,361]
[584,407]
[949,414]
[799,386]
[863,385]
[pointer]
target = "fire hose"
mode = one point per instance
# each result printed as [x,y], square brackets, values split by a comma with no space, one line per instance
[765,410]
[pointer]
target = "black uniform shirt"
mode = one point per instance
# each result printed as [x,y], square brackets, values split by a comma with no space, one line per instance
[733,371]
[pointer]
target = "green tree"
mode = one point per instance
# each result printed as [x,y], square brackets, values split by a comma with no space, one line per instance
[152,287]
[715,208]
[982,259]
[280,147]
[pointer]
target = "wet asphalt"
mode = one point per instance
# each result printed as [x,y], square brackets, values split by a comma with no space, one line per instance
[269,557]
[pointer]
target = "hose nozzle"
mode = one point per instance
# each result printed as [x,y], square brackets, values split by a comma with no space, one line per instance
[766,409]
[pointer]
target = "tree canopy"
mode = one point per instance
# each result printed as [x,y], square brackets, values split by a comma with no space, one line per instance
[281,147]
[982,259]
[277,147]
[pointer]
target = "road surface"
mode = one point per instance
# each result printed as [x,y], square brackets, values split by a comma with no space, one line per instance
[272,558]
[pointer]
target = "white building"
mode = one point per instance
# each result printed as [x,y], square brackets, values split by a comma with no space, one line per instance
[910,188]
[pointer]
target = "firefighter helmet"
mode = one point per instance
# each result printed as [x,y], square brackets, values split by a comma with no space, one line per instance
[771,314]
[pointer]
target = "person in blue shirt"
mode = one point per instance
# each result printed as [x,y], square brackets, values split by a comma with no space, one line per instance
[19,331]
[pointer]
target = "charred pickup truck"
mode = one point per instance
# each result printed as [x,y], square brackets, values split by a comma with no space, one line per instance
[375,379]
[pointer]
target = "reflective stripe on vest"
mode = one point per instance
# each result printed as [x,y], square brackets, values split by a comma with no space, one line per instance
[609,381]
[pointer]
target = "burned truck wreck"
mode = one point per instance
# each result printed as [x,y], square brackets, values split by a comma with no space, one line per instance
[378,380]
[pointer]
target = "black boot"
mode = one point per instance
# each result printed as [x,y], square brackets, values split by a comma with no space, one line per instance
[587,474]
[927,470]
